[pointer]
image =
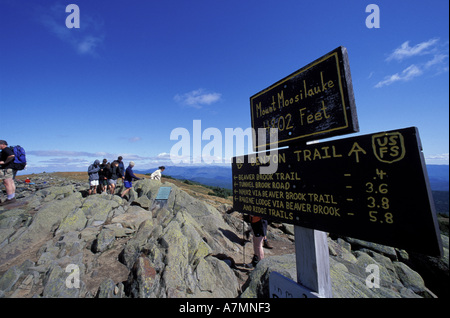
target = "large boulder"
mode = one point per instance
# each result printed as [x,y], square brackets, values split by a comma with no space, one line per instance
[45,221]
[57,236]
[113,247]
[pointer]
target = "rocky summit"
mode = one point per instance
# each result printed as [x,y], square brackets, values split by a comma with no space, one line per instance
[56,241]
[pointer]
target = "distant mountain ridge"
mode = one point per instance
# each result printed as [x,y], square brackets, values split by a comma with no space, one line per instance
[221,176]
[209,175]
[439,177]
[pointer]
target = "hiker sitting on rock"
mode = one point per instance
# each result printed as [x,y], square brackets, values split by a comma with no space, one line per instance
[129,176]
[93,176]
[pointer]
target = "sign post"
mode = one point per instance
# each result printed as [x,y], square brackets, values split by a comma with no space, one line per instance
[312,259]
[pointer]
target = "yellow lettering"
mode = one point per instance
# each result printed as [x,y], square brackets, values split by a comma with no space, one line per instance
[356,149]
[312,118]
[326,210]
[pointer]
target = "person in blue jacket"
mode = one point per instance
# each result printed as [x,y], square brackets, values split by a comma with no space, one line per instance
[93,176]
[121,166]
[129,176]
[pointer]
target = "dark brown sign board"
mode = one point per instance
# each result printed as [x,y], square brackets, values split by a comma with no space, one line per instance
[372,187]
[314,102]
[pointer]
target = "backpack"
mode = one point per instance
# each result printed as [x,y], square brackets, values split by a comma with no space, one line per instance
[20,159]
[251,218]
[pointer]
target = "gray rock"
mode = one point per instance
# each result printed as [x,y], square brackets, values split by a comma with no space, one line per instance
[137,248]
[133,217]
[382,249]
[258,286]
[9,278]
[74,221]
[60,284]
[104,241]
[144,280]
[108,289]
[44,223]
[409,278]
[99,207]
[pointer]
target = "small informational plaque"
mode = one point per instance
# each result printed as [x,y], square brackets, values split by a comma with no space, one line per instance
[163,193]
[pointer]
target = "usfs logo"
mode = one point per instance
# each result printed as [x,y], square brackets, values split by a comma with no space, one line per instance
[388,147]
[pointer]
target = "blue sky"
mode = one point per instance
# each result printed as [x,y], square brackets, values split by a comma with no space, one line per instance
[136,70]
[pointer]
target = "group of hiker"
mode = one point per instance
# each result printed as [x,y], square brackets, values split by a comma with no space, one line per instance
[104,176]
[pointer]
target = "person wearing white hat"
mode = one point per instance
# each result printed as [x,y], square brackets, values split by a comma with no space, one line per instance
[129,176]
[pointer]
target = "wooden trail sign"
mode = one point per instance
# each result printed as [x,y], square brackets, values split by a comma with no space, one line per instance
[373,187]
[314,102]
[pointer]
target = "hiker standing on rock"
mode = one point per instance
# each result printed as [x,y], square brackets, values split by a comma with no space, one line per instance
[259,228]
[7,172]
[129,176]
[114,175]
[93,176]
[121,166]
[102,176]
[157,174]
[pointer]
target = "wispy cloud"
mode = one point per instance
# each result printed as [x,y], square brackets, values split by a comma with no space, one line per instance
[63,160]
[134,139]
[131,139]
[77,154]
[429,57]
[406,51]
[444,156]
[406,75]
[85,40]
[438,159]
[62,164]
[438,60]
[197,98]
[64,153]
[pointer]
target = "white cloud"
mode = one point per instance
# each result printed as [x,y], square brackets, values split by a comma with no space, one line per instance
[87,45]
[163,156]
[405,51]
[438,159]
[85,40]
[64,153]
[444,156]
[406,75]
[197,98]
[438,59]
[134,139]
[420,54]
